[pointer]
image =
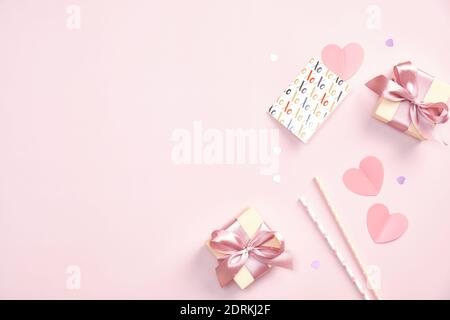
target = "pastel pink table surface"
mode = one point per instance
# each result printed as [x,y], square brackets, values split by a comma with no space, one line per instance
[86,119]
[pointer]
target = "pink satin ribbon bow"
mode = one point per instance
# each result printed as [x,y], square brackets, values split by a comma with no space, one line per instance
[405,87]
[238,250]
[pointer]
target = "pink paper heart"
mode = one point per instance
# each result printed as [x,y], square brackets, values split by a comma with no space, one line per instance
[383,226]
[344,62]
[368,179]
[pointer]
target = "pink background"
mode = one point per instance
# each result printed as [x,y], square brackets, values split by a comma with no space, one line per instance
[86,176]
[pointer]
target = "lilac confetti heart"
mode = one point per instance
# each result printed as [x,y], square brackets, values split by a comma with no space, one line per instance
[389,42]
[401,179]
[315,264]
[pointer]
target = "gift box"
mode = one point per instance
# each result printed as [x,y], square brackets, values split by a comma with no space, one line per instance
[309,100]
[412,101]
[246,249]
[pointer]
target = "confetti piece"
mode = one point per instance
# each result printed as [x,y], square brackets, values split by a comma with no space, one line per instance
[273,57]
[315,264]
[276,150]
[389,42]
[401,179]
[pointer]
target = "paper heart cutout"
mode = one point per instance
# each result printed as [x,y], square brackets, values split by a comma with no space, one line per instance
[368,179]
[344,62]
[383,226]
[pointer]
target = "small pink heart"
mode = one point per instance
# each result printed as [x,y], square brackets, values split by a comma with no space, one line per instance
[344,62]
[368,179]
[383,226]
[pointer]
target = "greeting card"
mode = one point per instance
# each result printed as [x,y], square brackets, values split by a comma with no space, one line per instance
[310,99]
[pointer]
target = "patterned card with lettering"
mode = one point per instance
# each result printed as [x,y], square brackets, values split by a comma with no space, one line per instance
[309,99]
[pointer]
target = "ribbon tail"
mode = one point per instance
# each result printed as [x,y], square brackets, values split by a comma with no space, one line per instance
[425,128]
[224,274]
[431,133]
[284,260]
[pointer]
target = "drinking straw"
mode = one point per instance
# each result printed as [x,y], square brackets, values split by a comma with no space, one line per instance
[330,243]
[333,211]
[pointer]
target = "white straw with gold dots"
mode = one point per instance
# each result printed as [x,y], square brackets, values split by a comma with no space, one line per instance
[332,246]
